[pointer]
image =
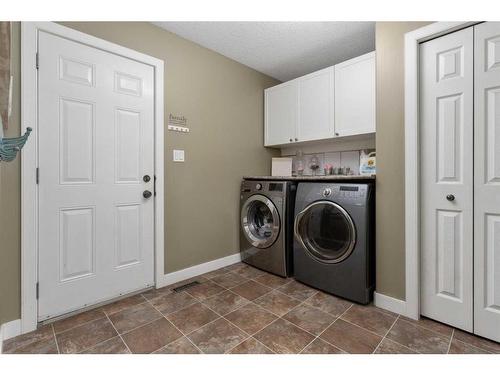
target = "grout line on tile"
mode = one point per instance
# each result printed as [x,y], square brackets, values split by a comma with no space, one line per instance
[383,338]
[228,321]
[318,335]
[415,324]
[118,333]
[55,339]
[216,294]
[451,339]
[476,347]
[394,341]
[77,325]
[244,303]
[180,338]
[132,329]
[363,328]
[183,335]
[102,342]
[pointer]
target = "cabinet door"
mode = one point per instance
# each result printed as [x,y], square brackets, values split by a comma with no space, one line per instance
[281,107]
[316,105]
[355,96]
[487,180]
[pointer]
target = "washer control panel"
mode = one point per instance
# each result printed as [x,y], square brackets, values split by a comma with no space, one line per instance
[262,186]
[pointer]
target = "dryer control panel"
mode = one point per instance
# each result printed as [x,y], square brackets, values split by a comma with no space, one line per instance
[346,191]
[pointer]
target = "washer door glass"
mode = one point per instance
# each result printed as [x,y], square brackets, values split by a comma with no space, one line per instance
[260,221]
[326,231]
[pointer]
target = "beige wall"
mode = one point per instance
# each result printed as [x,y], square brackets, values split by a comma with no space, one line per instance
[389,41]
[10,202]
[223,102]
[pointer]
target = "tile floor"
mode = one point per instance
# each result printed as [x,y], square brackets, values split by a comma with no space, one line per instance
[240,309]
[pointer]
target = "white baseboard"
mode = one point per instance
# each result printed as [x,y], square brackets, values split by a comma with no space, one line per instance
[9,330]
[197,270]
[389,303]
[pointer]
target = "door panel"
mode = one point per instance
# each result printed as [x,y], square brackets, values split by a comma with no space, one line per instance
[447,170]
[128,235]
[355,96]
[487,180]
[316,105]
[77,143]
[77,243]
[96,141]
[128,146]
[449,254]
[281,114]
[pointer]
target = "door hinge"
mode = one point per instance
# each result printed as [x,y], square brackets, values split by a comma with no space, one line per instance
[37,175]
[37,290]
[37,63]
[154,185]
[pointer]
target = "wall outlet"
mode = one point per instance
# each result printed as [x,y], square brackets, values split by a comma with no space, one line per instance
[179,155]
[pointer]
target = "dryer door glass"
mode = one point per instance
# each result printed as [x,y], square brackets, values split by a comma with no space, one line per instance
[260,221]
[326,231]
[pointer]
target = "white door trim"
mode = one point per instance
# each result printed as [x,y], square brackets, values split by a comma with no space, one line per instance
[29,162]
[412,157]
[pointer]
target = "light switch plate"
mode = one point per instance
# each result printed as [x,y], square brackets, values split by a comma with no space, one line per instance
[179,155]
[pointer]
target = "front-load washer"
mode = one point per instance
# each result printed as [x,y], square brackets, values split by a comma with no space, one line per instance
[334,238]
[266,225]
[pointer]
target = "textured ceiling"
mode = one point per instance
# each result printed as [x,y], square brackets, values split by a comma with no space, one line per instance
[283,50]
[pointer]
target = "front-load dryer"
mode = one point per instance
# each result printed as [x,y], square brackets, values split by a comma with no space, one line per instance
[266,220]
[333,246]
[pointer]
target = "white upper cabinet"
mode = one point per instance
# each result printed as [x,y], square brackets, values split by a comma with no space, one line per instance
[333,102]
[355,96]
[316,106]
[281,114]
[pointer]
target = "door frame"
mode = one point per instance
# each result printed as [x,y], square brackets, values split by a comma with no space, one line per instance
[412,156]
[29,159]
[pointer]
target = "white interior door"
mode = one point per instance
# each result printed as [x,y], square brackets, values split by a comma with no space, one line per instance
[487,180]
[96,133]
[446,66]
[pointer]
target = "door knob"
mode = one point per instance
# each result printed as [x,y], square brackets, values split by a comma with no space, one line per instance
[450,197]
[147,194]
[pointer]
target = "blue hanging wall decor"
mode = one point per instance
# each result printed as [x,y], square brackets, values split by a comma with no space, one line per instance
[9,147]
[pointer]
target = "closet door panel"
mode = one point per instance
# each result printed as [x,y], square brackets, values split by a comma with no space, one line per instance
[446,134]
[487,180]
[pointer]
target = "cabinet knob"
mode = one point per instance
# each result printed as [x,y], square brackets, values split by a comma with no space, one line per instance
[450,197]
[291,140]
[296,139]
[337,134]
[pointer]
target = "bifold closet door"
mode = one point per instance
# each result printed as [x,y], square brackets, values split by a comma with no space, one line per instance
[446,149]
[487,180]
